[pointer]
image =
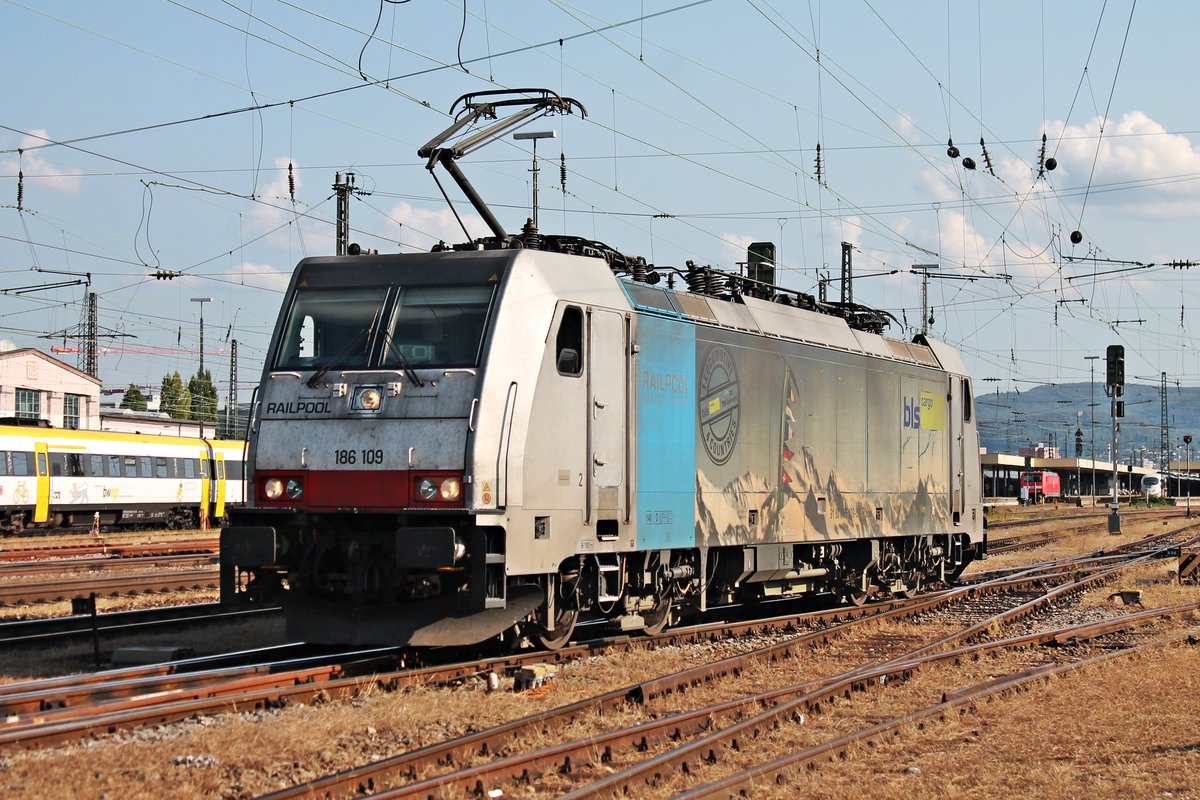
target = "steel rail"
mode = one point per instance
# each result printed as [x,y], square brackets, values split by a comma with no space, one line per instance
[562,756]
[105,564]
[566,757]
[364,777]
[208,544]
[775,773]
[62,630]
[106,586]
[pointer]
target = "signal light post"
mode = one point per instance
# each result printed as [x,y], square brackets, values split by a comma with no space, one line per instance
[1114,387]
[1187,440]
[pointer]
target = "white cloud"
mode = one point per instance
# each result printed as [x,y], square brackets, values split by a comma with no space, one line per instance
[40,173]
[263,276]
[422,228]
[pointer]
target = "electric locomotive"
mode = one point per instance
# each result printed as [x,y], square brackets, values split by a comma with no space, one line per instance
[498,438]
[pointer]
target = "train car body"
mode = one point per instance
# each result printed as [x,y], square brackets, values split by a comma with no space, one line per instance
[1152,485]
[62,478]
[1040,486]
[454,445]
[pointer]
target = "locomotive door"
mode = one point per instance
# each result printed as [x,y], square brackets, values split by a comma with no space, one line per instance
[608,393]
[958,441]
[41,457]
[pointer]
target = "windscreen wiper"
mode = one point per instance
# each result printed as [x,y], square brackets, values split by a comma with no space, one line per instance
[347,348]
[409,372]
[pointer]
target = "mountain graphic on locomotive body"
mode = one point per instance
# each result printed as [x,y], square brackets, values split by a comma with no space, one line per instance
[498,438]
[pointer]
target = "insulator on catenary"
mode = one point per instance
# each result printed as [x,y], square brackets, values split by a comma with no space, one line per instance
[562,170]
[20,188]
[291,182]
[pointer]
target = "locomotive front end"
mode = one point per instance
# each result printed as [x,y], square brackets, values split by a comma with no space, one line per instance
[359,498]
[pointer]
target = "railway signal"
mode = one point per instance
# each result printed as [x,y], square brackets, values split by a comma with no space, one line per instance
[1114,387]
[1187,440]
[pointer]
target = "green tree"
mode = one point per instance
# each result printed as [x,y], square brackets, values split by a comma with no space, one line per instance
[203,397]
[176,399]
[134,400]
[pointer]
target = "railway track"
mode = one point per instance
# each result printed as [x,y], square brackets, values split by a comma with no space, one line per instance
[42,713]
[101,548]
[593,761]
[56,631]
[27,592]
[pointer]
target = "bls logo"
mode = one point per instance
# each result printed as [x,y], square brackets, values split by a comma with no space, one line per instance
[912,413]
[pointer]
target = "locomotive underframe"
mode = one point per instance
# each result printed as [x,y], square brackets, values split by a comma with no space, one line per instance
[437,579]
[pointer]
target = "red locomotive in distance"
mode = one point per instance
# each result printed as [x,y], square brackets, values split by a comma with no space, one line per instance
[1040,487]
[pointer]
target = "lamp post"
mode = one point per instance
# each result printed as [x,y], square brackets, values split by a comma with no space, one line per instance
[201,301]
[533,136]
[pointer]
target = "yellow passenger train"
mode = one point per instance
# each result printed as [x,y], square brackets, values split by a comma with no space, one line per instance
[53,478]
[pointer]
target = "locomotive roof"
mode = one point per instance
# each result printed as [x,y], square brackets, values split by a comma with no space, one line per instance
[591,279]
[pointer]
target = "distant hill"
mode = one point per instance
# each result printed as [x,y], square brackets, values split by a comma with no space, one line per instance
[1048,415]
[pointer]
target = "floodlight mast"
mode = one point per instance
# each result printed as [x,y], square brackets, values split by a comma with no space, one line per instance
[474,106]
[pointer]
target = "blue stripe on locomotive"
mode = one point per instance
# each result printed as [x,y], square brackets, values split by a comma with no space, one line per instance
[666,434]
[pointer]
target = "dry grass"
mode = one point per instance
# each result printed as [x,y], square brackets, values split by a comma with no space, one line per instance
[1128,728]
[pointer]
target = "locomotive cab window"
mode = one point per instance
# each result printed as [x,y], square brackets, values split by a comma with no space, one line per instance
[568,344]
[966,393]
[437,326]
[331,328]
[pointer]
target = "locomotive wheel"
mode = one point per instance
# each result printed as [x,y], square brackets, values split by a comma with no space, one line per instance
[564,627]
[856,597]
[566,614]
[657,618]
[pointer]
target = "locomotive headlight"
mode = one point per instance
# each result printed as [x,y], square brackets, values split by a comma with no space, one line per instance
[273,489]
[367,398]
[440,490]
[450,489]
[294,488]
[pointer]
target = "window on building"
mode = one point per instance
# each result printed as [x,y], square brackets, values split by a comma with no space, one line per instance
[29,404]
[71,405]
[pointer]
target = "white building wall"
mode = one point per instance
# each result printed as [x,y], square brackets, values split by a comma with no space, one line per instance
[53,380]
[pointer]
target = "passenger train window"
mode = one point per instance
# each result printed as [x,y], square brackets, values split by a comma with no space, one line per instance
[3,463]
[189,467]
[130,467]
[21,464]
[114,466]
[96,466]
[145,467]
[160,468]
[233,470]
[75,465]
[568,345]
[58,464]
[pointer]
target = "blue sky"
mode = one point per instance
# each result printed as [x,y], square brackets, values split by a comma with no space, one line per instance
[701,134]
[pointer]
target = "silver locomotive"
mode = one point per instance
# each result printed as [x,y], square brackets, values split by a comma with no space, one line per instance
[497,439]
